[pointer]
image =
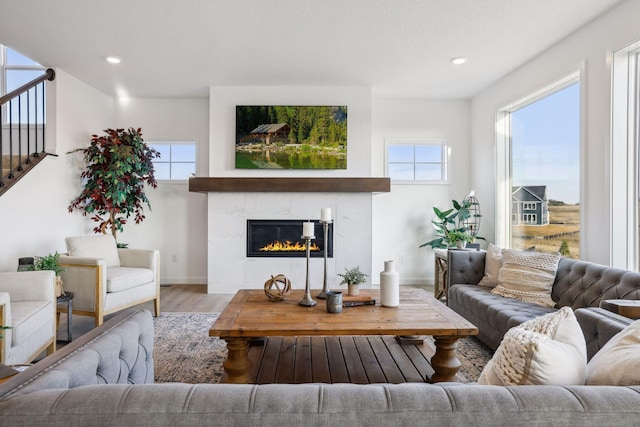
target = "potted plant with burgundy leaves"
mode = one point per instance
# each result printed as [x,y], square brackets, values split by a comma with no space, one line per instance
[118,165]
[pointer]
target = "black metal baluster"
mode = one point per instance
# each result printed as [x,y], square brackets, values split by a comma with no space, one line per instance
[28,130]
[43,106]
[35,129]
[10,175]
[19,168]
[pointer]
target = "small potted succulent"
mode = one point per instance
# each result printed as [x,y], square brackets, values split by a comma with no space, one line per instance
[51,262]
[353,277]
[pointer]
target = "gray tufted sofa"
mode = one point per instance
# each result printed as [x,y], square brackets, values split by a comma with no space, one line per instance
[578,284]
[67,389]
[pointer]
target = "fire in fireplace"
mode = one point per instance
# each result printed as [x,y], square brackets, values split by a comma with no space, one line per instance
[282,238]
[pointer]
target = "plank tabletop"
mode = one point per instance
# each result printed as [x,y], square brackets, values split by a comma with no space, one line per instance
[251,314]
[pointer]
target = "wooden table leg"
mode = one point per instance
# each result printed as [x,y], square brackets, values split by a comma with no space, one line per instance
[238,364]
[444,361]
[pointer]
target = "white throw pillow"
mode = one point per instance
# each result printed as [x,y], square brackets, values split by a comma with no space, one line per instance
[549,349]
[492,264]
[99,246]
[527,276]
[618,362]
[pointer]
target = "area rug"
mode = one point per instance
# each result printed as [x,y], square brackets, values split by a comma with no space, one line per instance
[184,351]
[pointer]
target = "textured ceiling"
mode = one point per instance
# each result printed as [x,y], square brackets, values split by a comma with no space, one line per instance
[401,48]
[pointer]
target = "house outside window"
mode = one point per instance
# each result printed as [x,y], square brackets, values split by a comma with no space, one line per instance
[177,161]
[538,174]
[17,70]
[416,162]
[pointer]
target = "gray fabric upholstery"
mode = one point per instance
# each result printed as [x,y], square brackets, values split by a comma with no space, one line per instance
[68,390]
[119,353]
[578,284]
[322,404]
[599,326]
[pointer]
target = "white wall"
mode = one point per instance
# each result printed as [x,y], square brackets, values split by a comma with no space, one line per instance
[593,46]
[402,218]
[34,213]
[177,221]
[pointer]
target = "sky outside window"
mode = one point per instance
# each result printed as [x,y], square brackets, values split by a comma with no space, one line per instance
[546,145]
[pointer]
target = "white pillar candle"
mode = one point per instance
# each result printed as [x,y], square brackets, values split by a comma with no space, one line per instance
[307,229]
[325,214]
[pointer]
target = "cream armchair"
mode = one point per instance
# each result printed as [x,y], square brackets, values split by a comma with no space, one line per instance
[105,279]
[28,306]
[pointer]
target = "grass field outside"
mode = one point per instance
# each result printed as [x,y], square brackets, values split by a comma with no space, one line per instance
[564,225]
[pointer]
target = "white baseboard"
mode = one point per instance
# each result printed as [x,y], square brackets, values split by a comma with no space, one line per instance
[183,281]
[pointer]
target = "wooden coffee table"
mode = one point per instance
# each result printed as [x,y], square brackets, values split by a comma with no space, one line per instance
[250,315]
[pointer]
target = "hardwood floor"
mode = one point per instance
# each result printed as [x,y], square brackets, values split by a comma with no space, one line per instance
[173,298]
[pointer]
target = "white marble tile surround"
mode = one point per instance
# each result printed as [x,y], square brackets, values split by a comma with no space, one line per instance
[230,270]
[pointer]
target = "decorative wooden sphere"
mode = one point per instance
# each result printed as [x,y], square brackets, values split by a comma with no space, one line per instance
[277,287]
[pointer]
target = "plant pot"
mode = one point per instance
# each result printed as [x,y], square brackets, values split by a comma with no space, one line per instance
[460,244]
[59,290]
[354,290]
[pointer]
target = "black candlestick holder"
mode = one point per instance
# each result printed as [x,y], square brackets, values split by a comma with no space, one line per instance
[307,301]
[325,287]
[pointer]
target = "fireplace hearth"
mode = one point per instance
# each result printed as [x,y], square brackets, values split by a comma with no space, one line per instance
[281,238]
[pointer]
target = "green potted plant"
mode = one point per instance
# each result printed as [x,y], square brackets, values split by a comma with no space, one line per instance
[450,231]
[353,277]
[119,164]
[50,262]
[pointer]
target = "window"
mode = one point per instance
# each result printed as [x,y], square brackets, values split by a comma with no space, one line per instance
[177,160]
[417,161]
[625,158]
[539,170]
[17,70]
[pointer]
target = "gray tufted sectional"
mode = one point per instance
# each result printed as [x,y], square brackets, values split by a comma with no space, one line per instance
[105,378]
[580,285]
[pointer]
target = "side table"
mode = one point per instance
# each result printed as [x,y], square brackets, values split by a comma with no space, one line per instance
[67,298]
[624,307]
[440,273]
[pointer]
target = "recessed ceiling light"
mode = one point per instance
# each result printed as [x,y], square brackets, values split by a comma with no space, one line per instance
[113,59]
[459,60]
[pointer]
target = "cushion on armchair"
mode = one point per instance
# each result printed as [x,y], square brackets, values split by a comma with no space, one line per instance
[123,278]
[99,246]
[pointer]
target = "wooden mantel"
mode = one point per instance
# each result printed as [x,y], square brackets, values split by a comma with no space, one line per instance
[291,184]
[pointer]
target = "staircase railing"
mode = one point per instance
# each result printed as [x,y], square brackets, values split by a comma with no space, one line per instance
[16,139]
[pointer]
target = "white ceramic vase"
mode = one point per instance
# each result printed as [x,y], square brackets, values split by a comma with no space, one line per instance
[389,285]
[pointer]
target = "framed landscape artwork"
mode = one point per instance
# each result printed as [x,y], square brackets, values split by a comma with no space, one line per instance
[291,137]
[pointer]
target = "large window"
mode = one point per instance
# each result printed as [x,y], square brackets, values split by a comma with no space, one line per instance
[625,158]
[416,161]
[177,161]
[540,152]
[17,70]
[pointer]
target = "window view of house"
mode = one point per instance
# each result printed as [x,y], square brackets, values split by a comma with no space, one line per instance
[545,165]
